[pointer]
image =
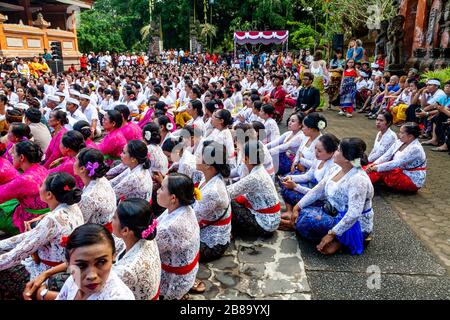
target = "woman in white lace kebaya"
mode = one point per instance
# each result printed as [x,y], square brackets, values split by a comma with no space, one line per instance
[304,159]
[135,181]
[90,252]
[272,131]
[385,138]
[213,211]
[152,137]
[178,236]
[255,204]
[98,201]
[139,265]
[403,166]
[346,217]
[25,256]
[294,188]
[284,148]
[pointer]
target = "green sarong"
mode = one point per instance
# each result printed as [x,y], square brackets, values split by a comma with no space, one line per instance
[6,213]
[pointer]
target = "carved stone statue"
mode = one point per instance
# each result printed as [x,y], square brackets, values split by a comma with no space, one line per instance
[381,40]
[40,21]
[434,15]
[394,46]
[444,25]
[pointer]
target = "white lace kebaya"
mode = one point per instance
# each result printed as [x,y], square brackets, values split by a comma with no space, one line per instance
[214,205]
[98,201]
[44,239]
[114,289]
[178,240]
[352,194]
[140,269]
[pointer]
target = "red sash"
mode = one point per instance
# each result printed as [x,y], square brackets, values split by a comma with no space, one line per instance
[416,169]
[183,269]
[156,297]
[242,200]
[51,263]
[108,226]
[206,223]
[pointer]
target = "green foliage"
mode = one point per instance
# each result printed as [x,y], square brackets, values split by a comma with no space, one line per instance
[116,24]
[302,35]
[443,75]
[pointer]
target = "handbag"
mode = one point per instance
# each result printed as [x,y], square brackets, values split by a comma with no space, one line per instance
[329,209]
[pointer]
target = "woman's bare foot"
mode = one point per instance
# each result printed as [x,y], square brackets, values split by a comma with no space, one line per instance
[331,248]
[286,225]
[199,287]
[286,215]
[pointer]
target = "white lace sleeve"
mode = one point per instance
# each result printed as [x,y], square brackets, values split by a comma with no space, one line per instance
[357,193]
[316,193]
[387,155]
[277,142]
[64,293]
[386,142]
[45,231]
[242,186]
[308,163]
[114,172]
[408,157]
[305,177]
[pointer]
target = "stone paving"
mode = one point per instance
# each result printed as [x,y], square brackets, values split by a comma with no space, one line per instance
[410,233]
[428,211]
[255,268]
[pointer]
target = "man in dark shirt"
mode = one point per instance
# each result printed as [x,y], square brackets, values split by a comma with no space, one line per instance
[308,97]
[47,56]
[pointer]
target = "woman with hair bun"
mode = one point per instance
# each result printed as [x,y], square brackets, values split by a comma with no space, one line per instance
[255,203]
[98,201]
[84,128]
[213,211]
[60,193]
[136,180]
[19,198]
[71,144]
[90,252]
[345,220]
[221,120]
[178,236]
[7,170]
[294,188]
[139,265]
[403,166]
[284,148]
[385,137]
[152,137]
[114,142]
[57,121]
[313,124]
[17,132]
[272,131]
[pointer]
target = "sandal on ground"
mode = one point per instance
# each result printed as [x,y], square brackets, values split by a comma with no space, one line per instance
[427,143]
[186,297]
[199,287]
[439,149]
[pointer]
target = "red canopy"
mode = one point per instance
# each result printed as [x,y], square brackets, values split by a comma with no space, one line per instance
[263,37]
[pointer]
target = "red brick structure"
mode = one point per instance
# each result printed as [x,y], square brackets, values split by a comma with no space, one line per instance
[28,26]
[427,25]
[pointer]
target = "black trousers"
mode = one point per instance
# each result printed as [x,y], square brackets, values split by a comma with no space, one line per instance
[441,128]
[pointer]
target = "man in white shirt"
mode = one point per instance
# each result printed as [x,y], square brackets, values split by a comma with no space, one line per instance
[90,112]
[50,105]
[74,113]
[40,132]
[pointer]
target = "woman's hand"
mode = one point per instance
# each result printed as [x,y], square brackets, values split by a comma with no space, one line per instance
[289,184]
[325,242]
[33,287]
[29,222]
[158,177]
[294,216]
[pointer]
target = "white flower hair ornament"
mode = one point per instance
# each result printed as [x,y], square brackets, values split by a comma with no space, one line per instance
[148,135]
[169,126]
[321,125]
[356,163]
